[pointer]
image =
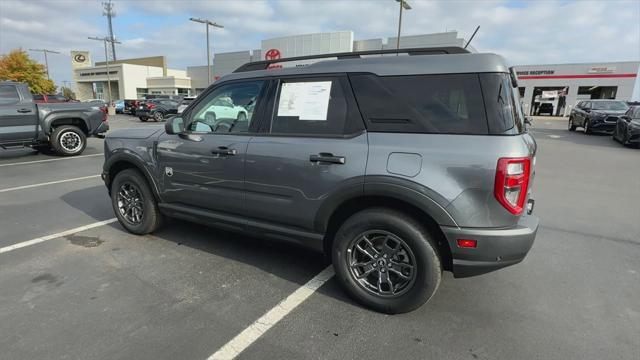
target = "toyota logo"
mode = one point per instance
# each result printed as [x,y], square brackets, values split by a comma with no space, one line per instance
[272,54]
[79,58]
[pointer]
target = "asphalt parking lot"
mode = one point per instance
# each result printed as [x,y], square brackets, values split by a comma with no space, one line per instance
[188,290]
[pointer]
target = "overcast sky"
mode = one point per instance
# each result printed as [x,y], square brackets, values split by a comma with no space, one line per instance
[525,32]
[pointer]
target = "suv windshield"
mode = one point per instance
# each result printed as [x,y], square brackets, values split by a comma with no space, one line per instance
[609,105]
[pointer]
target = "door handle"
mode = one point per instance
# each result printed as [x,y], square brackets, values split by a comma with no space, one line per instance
[24,110]
[327,158]
[223,150]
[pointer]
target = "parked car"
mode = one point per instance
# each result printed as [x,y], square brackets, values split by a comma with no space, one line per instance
[184,103]
[64,127]
[596,115]
[156,109]
[49,98]
[627,129]
[130,106]
[396,167]
[545,108]
[119,106]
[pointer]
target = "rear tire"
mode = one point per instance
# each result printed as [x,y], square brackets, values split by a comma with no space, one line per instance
[143,119]
[134,204]
[68,140]
[399,271]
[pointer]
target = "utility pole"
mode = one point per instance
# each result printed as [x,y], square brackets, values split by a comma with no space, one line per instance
[106,40]
[207,24]
[403,5]
[110,14]
[46,61]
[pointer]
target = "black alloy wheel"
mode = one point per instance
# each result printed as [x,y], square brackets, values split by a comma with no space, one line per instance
[382,263]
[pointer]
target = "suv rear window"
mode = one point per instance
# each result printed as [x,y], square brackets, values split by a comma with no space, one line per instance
[440,104]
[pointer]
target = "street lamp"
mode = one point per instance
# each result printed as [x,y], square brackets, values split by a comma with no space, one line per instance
[403,5]
[207,24]
[46,61]
[106,40]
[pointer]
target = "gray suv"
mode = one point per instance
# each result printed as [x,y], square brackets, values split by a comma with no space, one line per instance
[396,167]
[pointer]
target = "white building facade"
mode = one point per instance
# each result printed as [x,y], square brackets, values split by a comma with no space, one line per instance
[609,80]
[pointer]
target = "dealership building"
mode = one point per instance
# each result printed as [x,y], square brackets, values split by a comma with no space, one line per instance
[563,85]
[560,84]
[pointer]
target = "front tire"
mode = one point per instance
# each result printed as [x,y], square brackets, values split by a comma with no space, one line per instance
[158,116]
[386,260]
[68,140]
[587,127]
[572,127]
[134,203]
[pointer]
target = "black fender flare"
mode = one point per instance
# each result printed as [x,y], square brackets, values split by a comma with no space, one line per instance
[128,156]
[399,189]
[50,119]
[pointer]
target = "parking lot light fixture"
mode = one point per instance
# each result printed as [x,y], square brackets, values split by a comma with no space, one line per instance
[46,61]
[207,24]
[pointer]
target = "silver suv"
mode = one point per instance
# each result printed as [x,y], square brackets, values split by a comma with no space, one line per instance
[396,167]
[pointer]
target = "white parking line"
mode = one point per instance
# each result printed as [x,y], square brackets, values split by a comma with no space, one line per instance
[249,335]
[47,160]
[47,183]
[53,236]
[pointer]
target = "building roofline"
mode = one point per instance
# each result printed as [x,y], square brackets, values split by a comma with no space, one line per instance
[586,63]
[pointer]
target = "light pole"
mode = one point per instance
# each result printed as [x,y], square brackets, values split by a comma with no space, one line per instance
[46,61]
[105,40]
[403,5]
[207,24]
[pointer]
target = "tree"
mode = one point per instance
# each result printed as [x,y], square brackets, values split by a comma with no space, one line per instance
[67,92]
[18,66]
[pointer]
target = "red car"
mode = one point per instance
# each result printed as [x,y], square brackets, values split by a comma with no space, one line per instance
[50,98]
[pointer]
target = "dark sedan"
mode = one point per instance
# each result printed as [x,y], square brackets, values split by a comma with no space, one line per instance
[597,115]
[156,109]
[627,129]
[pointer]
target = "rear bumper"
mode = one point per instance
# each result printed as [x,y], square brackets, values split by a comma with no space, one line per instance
[102,128]
[496,248]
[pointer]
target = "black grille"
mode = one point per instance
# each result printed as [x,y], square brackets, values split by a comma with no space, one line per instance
[611,119]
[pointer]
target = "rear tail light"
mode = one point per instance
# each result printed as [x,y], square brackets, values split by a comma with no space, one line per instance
[151,106]
[512,183]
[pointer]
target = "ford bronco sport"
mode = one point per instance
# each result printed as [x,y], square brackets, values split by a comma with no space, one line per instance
[396,167]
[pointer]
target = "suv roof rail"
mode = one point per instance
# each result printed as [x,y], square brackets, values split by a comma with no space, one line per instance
[264,64]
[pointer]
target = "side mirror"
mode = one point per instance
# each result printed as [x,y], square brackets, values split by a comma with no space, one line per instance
[527,120]
[626,118]
[174,125]
[587,110]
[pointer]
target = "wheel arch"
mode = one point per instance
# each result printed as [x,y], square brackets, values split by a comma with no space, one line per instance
[122,161]
[57,121]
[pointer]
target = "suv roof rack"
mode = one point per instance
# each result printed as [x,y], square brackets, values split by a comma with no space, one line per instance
[264,64]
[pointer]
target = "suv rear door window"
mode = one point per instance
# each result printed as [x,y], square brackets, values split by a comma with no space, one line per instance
[440,104]
[315,106]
